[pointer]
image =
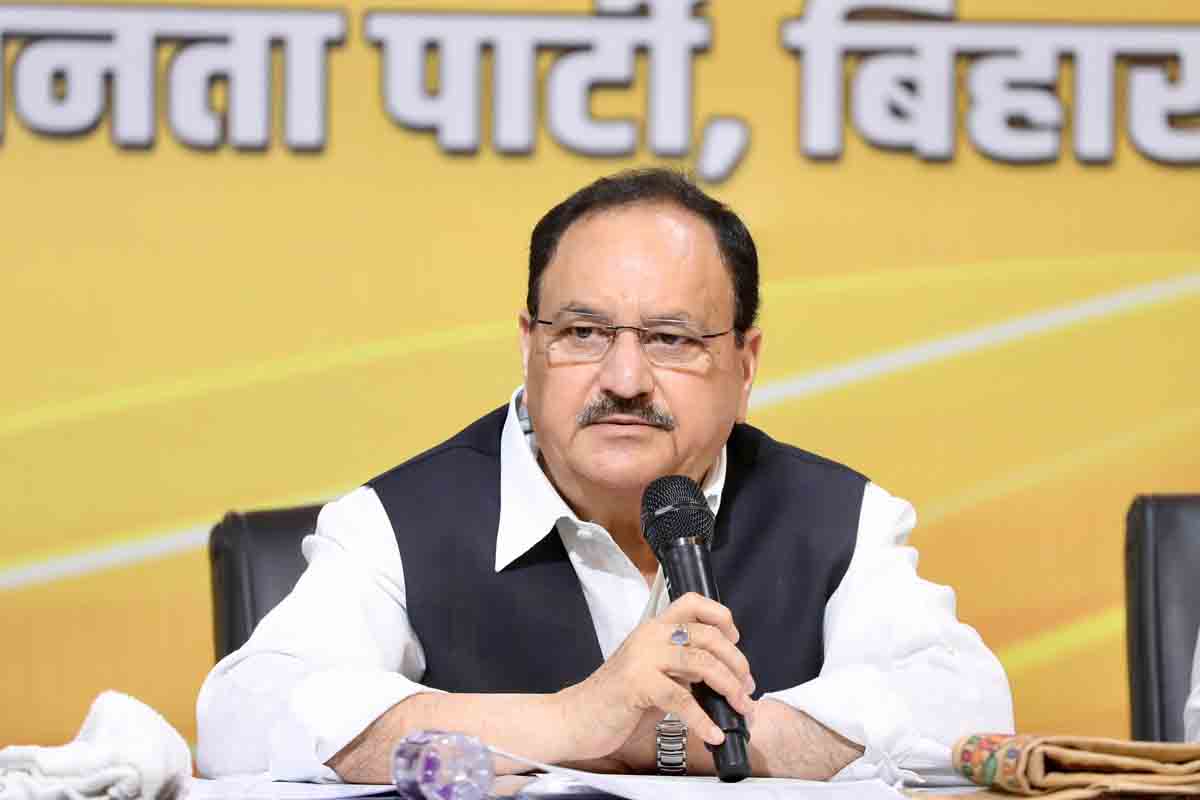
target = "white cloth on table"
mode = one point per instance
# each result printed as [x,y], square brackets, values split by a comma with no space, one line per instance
[901,676]
[125,750]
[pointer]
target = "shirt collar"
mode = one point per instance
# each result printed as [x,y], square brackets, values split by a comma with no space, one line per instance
[530,506]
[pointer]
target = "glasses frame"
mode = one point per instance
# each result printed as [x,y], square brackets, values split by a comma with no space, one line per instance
[641,333]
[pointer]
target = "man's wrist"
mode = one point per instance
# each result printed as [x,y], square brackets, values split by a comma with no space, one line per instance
[563,709]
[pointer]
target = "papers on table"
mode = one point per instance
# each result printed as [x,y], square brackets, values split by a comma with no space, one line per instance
[261,787]
[564,783]
[560,780]
[660,787]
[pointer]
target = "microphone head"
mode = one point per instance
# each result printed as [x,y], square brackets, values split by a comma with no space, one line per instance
[673,507]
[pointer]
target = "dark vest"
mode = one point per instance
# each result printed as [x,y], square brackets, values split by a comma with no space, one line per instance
[784,537]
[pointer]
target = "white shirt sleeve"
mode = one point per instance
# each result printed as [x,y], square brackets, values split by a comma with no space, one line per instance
[1191,711]
[322,665]
[902,676]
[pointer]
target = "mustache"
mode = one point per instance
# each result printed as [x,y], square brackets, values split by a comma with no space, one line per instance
[608,405]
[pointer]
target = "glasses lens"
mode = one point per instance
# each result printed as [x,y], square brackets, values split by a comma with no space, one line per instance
[576,339]
[673,346]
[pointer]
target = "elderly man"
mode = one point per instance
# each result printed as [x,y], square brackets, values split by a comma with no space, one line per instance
[499,584]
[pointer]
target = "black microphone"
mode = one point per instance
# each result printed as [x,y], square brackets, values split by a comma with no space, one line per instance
[678,526]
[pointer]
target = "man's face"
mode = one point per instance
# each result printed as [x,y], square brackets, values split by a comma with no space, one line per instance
[635,265]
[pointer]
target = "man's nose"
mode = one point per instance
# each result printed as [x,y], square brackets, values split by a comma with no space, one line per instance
[625,371]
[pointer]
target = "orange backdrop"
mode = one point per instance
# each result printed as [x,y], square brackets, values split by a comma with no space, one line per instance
[1011,347]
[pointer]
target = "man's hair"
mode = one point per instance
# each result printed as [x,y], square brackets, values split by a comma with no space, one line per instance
[653,186]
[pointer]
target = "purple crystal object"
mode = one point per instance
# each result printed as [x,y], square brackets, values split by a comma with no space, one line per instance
[436,765]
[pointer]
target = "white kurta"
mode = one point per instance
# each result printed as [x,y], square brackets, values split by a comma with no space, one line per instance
[901,676]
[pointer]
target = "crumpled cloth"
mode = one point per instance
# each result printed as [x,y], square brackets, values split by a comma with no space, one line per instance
[124,751]
[1077,767]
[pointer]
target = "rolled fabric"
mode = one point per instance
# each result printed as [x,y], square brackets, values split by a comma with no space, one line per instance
[125,750]
[1077,767]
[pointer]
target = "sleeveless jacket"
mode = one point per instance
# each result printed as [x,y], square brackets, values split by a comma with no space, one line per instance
[784,536]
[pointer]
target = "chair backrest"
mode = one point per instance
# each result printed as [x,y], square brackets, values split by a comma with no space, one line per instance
[1162,606]
[255,560]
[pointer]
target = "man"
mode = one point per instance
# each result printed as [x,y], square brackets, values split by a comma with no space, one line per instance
[499,584]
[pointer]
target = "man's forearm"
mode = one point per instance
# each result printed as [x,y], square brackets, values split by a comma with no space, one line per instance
[786,743]
[530,725]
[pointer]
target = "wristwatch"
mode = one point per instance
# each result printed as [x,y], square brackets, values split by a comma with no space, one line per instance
[670,746]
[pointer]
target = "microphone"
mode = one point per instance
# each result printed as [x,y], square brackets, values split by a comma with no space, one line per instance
[678,526]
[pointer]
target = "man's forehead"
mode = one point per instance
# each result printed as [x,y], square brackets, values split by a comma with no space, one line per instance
[583,308]
[668,223]
[657,252]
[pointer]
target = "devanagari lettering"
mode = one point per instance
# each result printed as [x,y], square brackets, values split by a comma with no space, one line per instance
[1154,99]
[59,76]
[601,52]
[1007,88]
[903,91]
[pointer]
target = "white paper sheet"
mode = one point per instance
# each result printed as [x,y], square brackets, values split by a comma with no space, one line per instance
[661,787]
[560,780]
[261,787]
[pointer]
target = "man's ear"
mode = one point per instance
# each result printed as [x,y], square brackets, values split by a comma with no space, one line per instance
[747,356]
[526,326]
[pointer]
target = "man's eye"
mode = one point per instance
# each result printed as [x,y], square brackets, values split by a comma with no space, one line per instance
[665,339]
[581,331]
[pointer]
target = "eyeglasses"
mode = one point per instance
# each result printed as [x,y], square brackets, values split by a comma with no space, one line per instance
[577,338]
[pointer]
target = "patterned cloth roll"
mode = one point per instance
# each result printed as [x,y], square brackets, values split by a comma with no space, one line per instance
[1077,767]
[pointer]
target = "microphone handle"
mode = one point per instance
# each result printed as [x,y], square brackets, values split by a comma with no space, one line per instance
[688,568]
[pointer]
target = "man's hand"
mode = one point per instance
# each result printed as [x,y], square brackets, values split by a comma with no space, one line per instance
[639,754]
[784,743]
[607,721]
[585,724]
[650,674]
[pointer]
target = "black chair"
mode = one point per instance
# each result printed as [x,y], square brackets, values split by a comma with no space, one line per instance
[255,560]
[1162,606]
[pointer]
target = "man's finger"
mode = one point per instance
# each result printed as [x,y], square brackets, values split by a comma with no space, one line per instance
[692,607]
[671,696]
[713,640]
[695,665]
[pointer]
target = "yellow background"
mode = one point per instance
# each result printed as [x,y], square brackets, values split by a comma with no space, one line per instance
[185,333]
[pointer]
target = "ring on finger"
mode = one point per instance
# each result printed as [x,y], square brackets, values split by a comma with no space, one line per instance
[680,635]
